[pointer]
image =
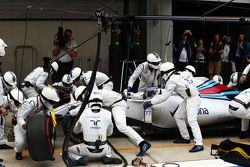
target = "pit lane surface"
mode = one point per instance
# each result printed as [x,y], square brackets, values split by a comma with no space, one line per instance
[162,150]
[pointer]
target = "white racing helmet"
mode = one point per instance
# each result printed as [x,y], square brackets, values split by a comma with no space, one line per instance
[2,47]
[9,79]
[67,80]
[166,69]
[15,98]
[49,97]
[79,93]
[218,78]
[233,79]
[95,102]
[191,69]
[153,60]
[76,73]
[54,66]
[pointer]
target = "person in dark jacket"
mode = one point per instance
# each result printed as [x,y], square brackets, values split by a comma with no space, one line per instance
[237,53]
[200,58]
[214,57]
[183,54]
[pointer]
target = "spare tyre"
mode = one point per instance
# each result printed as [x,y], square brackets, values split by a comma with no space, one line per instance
[41,137]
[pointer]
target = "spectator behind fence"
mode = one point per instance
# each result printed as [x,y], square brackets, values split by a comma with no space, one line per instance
[200,58]
[237,53]
[214,57]
[226,66]
[183,54]
[247,51]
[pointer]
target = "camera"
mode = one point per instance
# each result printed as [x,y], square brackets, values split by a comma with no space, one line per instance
[60,39]
[187,32]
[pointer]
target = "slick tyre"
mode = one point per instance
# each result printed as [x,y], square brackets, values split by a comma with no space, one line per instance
[41,137]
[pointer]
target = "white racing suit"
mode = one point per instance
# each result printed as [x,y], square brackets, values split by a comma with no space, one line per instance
[102,81]
[2,119]
[147,77]
[118,107]
[244,124]
[4,103]
[94,126]
[29,106]
[246,70]
[34,82]
[182,84]
[240,105]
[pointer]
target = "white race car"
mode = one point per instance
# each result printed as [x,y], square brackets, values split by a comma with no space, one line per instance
[215,99]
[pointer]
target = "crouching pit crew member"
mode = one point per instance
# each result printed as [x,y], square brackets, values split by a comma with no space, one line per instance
[118,107]
[44,101]
[95,123]
[11,102]
[182,83]
[7,84]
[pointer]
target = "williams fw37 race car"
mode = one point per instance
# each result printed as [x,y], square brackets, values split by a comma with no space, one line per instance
[213,110]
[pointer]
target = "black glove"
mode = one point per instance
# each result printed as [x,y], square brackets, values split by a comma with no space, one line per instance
[14,121]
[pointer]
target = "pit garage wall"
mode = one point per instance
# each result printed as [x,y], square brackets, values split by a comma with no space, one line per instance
[40,35]
[42,26]
[159,32]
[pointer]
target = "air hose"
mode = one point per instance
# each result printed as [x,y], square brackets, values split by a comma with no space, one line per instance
[89,88]
[119,154]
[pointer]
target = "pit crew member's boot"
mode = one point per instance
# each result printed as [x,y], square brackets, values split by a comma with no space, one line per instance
[144,146]
[19,156]
[244,135]
[83,161]
[5,147]
[196,148]
[111,160]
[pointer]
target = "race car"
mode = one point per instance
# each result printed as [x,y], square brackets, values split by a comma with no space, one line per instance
[215,99]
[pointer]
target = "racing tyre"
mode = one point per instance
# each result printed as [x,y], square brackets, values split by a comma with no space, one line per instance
[41,137]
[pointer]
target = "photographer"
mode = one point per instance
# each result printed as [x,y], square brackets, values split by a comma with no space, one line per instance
[64,43]
[183,54]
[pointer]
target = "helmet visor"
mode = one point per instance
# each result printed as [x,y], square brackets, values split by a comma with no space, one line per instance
[67,85]
[154,63]
[51,102]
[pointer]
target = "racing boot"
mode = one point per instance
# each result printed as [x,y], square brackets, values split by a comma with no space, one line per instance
[83,161]
[111,160]
[19,156]
[144,146]
[196,148]
[244,135]
[181,141]
[5,147]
